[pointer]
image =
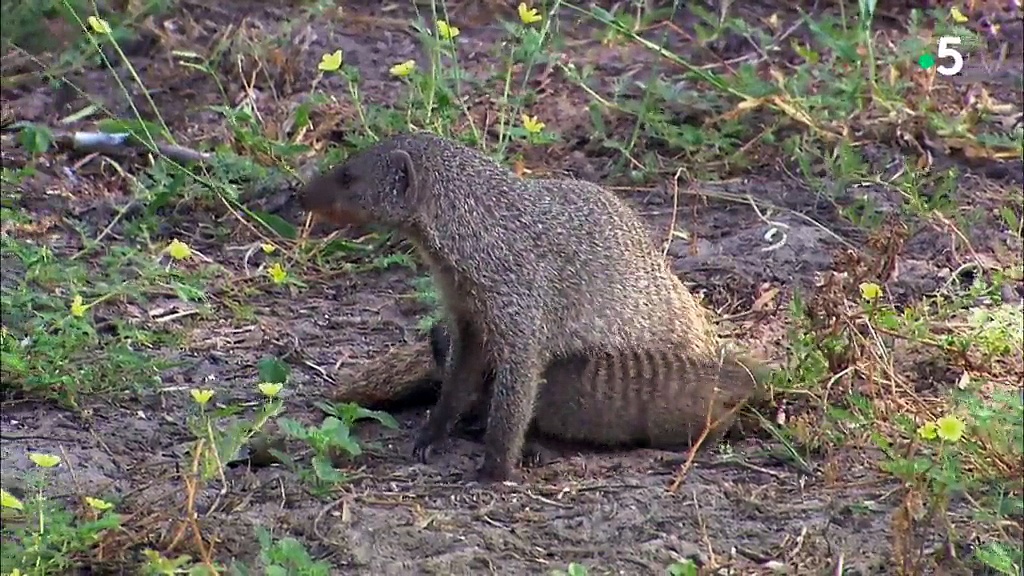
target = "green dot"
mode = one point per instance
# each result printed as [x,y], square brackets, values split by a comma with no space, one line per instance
[926,61]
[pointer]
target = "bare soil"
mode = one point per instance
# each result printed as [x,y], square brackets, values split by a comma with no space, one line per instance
[745,504]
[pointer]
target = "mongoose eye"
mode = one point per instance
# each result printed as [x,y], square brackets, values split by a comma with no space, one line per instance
[343,177]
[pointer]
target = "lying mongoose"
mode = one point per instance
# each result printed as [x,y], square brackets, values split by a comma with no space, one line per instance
[630,415]
[528,271]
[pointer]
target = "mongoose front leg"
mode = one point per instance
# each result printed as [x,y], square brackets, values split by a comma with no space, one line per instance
[462,383]
[516,382]
[534,454]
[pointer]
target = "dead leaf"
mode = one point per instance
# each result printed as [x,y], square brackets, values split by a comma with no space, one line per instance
[764,299]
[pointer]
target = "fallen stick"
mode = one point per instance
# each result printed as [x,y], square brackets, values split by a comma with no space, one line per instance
[114,143]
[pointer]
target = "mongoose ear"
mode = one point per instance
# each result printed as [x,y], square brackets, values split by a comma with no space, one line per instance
[401,161]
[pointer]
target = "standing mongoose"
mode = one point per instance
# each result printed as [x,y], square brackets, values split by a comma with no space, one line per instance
[529,271]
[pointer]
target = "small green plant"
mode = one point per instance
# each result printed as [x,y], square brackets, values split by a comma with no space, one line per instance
[573,569]
[435,99]
[49,335]
[684,568]
[156,564]
[287,557]
[218,442]
[976,447]
[939,460]
[332,438]
[43,536]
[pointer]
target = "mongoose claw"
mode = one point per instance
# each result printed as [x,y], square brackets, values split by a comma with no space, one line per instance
[422,453]
[423,446]
[491,472]
[536,456]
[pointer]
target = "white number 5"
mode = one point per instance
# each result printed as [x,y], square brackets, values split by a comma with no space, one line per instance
[946,52]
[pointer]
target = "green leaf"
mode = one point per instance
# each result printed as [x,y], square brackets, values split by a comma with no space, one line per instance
[867,12]
[273,370]
[325,472]
[293,428]
[352,413]
[577,569]
[137,128]
[1000,558]
[684,568]
[35,139]
[279,225]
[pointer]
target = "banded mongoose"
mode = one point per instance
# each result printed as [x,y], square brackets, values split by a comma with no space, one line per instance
[529,270]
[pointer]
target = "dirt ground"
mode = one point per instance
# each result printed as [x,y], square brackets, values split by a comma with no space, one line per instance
[743,506]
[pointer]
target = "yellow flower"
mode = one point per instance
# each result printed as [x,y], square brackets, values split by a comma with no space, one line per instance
[268,248]
[44,460]
[77,307]
[98,25]
[201,396]
[7,500]
[16,572]
[403,68]
[270,389]
[528,15]
[957,15]
[330,62]
[98,504]
[928,431]
[950,428]
[277,273]
[179,250]
[446,31]
[532,125]
[870,291]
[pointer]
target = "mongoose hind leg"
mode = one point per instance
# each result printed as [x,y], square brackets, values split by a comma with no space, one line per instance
[461,387]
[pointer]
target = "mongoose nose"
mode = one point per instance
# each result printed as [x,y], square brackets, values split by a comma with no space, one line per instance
[309,176]
[303,196]
[316,195]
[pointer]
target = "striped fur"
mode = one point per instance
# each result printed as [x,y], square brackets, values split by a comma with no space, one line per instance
[655,398]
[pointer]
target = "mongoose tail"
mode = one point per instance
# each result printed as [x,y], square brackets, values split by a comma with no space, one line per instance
[404,376]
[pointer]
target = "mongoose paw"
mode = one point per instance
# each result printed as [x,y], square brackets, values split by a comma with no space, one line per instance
[421,453]
[493,472]
[535,455]
[425,445]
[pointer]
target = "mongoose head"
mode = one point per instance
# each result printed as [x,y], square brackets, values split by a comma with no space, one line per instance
[376,186]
